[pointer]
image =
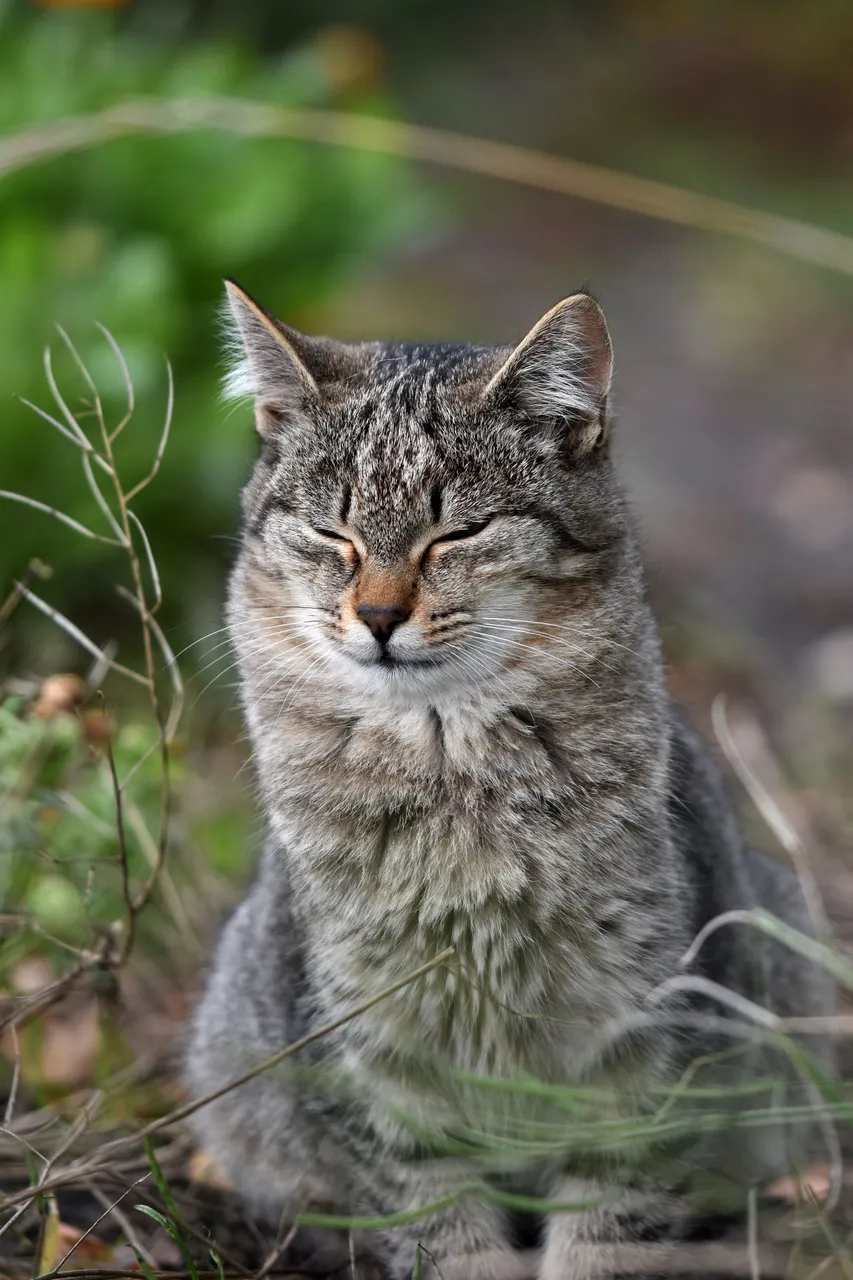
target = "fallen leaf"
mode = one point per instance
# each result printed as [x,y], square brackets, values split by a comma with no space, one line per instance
[90,1248]
[70,1046]
[60,1048]
[50,1252]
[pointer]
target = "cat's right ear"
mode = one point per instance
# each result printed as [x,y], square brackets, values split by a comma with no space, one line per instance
[266,362]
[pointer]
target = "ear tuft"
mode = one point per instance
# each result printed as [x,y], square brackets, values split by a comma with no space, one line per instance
[562,371]
[263,354]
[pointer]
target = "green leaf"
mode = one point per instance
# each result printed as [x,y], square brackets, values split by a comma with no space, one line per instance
[157,1216]
[175,1234]
[162,1184]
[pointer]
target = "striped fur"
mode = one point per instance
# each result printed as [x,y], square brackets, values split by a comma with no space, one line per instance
[507,777]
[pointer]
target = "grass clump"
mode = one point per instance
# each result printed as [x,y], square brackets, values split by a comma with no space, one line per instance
[93,784]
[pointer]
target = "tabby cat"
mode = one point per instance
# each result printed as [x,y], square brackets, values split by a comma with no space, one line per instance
[463,739]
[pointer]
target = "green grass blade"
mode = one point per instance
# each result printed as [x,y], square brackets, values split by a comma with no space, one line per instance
[176,1236]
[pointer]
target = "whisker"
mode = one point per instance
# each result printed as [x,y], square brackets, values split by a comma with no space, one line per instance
[565,643]
[485,674]
[257,636]
[199,640]
[322,659]
[234,626]
[570,628]
[279,666]
[270,661]
[518,644]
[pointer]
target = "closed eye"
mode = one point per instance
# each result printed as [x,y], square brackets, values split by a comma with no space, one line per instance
[330,533]
[467,531]
[345,546]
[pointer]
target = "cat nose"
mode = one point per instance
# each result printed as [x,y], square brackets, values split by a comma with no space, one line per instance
[381,621]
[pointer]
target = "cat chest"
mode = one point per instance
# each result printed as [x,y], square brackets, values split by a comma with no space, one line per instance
[380,901]
[430,874]
[440,835]
[477,1011]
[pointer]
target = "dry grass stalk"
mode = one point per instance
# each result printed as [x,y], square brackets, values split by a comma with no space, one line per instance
[481,156]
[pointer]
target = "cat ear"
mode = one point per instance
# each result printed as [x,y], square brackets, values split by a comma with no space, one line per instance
[267,361]
[561,371]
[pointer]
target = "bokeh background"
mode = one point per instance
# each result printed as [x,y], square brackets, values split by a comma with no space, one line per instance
[734,368]
[734,362]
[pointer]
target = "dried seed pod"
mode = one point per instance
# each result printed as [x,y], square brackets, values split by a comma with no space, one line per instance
[98,728]
[59,695]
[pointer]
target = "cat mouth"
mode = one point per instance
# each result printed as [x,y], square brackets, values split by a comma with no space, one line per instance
[393,662]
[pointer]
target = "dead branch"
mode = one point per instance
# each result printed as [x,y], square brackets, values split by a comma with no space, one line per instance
[481,156]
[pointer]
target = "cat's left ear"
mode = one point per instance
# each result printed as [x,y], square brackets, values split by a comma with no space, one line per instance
[561,372]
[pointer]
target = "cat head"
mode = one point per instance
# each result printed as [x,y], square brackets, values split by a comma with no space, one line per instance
[420,514]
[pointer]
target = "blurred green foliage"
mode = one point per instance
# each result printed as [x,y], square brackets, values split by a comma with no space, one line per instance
[138,234]
[59,857]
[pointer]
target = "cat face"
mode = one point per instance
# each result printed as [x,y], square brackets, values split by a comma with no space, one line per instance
[424,518]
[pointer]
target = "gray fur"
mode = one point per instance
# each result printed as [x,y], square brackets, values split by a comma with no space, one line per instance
[514,782]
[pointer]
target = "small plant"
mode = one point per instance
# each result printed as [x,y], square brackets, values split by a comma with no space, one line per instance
[84,818]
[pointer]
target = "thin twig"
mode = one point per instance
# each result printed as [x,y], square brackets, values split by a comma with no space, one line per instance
[147,623]
[121,837]
[122,1220]
[16,1076]
[98,671]
[771,810]
[70,435]
[164,438]
[109,1209]
[19,1138]
[768,1021]
[696,984]
[132,1273]
[190,1108]
[752,1235]
[76,634]
[41,1187]
[76,430]
[278,1252]
[59,515]
[481,156]
[99,497]
[152,564]
[87,377]
[32,1006]
[171,666]
[122,527]
[35,569]
[128,381]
